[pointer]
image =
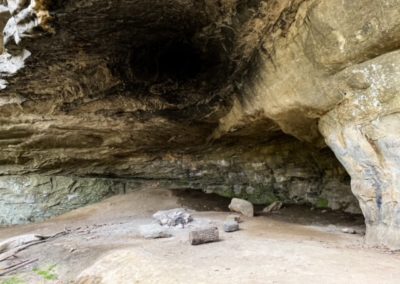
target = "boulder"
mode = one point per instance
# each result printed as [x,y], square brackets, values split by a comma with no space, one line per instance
[173,217]
[242,206]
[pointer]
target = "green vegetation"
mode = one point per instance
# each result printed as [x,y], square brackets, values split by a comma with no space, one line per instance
[13,280]
[322,203]
[47,274]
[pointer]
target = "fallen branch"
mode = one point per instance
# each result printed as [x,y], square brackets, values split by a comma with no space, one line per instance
[59,234]
[11,266]
[12,246]
[17,266]
[15,242]
[10,253]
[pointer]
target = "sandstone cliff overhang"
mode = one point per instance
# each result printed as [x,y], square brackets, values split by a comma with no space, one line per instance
[128,89]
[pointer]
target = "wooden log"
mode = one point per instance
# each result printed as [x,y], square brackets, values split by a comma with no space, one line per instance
[202,236]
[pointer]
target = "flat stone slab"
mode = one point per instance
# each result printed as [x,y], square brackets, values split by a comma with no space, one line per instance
[154,231]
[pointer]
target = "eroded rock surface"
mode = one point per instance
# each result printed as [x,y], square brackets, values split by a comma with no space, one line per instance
[204,95]
[363,131]
[260,174]
[32,198]
[336,72]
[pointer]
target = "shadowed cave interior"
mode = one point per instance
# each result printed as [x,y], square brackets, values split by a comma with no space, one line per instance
[136,94]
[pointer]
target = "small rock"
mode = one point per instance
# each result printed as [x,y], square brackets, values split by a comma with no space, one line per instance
[349,231]
[332,228]
[242,206]
[231,226]
[275,206]
[173,217]
[234,217]
[153,231]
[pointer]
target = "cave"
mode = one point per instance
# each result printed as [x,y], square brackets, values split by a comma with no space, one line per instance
[176,60]
[288,105]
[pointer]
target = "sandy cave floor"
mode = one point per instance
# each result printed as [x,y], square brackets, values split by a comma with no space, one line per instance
[295,245]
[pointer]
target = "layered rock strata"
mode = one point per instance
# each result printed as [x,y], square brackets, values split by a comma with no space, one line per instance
[166,90]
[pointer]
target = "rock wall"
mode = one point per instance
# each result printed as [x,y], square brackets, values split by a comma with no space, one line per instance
[363,132]
[336,72]
[259,173]
[33,198]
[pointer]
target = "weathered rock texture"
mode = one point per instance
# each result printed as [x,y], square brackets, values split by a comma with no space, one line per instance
[337,70]
[364,133]
[206,94]
[32,198]
[260,174]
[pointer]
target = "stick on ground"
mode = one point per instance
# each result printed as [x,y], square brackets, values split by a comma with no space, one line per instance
[10,247]
[17,266]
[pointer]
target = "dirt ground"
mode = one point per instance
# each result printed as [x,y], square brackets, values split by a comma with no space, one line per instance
[295,245]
